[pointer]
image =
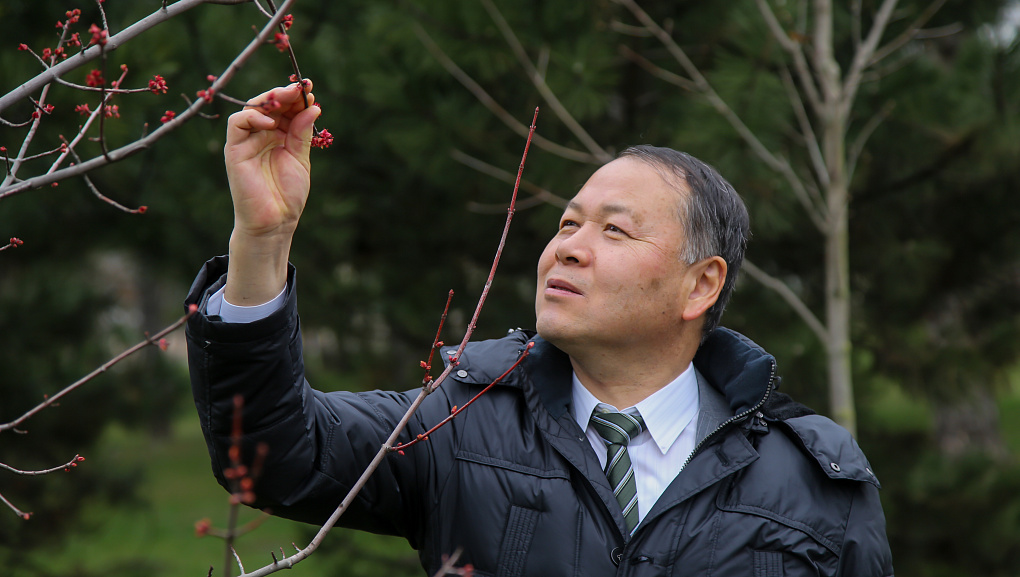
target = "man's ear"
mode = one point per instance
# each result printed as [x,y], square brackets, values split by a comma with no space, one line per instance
[706,278]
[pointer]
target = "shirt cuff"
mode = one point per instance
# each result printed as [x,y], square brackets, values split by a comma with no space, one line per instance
[229,313]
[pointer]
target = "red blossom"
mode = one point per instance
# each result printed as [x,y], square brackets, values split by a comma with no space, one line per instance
[36,114]
[158,85]
[142,209]
[206,95]
[323,139]
[60,24]
[111,111]
[95,78]
[167,116]
[211,78]
[293,78]
[47,53]
[74,40]
[22,47]
[282,41]
[48,108]
[82,109]
[287,21]
[15,242]
[73,15]
[99,36]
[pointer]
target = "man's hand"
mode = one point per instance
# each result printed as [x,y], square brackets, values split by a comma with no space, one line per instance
[267,160]
[268,170]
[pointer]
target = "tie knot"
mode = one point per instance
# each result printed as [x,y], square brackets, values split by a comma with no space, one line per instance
[617,428]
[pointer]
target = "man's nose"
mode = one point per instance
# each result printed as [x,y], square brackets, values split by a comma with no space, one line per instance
[576,248]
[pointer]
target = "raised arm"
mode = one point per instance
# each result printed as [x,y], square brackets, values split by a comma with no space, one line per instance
[268,170]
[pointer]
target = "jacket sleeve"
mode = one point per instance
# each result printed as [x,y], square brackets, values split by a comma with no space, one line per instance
[866,547]
[316,444]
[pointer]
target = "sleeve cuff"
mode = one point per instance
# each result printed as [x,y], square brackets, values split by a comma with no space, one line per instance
[230,313]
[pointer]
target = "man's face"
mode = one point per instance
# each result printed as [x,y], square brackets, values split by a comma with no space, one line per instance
[612,275]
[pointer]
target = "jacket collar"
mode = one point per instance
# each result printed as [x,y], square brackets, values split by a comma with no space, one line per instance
[735,366]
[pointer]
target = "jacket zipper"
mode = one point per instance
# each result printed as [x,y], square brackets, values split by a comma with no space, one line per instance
[735,418]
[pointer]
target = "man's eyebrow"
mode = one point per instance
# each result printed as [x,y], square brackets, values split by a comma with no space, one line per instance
[603,210]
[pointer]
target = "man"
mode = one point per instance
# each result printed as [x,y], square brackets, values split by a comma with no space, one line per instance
[635,439]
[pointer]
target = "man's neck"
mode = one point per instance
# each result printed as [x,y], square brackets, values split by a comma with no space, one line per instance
[624,381]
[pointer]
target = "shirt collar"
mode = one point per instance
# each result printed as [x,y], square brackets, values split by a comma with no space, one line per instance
[666,412]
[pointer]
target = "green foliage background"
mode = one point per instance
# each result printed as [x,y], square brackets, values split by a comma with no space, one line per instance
[394,223]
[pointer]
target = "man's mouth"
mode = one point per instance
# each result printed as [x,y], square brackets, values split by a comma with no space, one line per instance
[561,286]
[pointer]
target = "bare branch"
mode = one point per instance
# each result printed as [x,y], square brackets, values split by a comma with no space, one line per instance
[548,95]
[113,42]
[656,70]
[790,297]
[490,103]
[18,512]
[65,467]
[796,51]
[808,131]
[863,56]
[139,145]
[779,164]
[862,138]
[635,31]
[149,341]
[909,34]
[536,191]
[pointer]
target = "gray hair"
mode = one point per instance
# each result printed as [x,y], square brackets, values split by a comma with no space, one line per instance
[712,215]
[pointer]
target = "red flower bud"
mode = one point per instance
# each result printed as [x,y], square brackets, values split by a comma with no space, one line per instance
[202,527]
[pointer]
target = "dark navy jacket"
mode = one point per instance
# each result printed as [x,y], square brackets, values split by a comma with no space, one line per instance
[771,490]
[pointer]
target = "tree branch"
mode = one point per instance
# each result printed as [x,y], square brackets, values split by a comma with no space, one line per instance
[149,341]
[141,144]
[548,95]
[92,52]
[863,56]
[656,70]
[490,103]
[796,51]
[807,130]
[909,34]
[780,165]
[536,191]
[857,147]
[790,297]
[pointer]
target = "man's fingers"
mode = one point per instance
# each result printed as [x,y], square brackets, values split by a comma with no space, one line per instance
[243,123]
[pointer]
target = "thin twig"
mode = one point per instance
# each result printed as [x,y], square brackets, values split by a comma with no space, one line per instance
[790,297]
[149,341]
[863,56]
[494,107]
[17,511]
[538,193]
[65,467]
[909,34]
[538,81]
[796,51]
[857,147]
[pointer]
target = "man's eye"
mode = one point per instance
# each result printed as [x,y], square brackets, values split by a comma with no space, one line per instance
[567,223]
[614,228]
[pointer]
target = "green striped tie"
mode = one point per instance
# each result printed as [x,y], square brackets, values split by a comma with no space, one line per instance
[617,430]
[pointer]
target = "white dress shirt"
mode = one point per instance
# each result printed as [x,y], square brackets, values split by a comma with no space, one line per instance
[660,451]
